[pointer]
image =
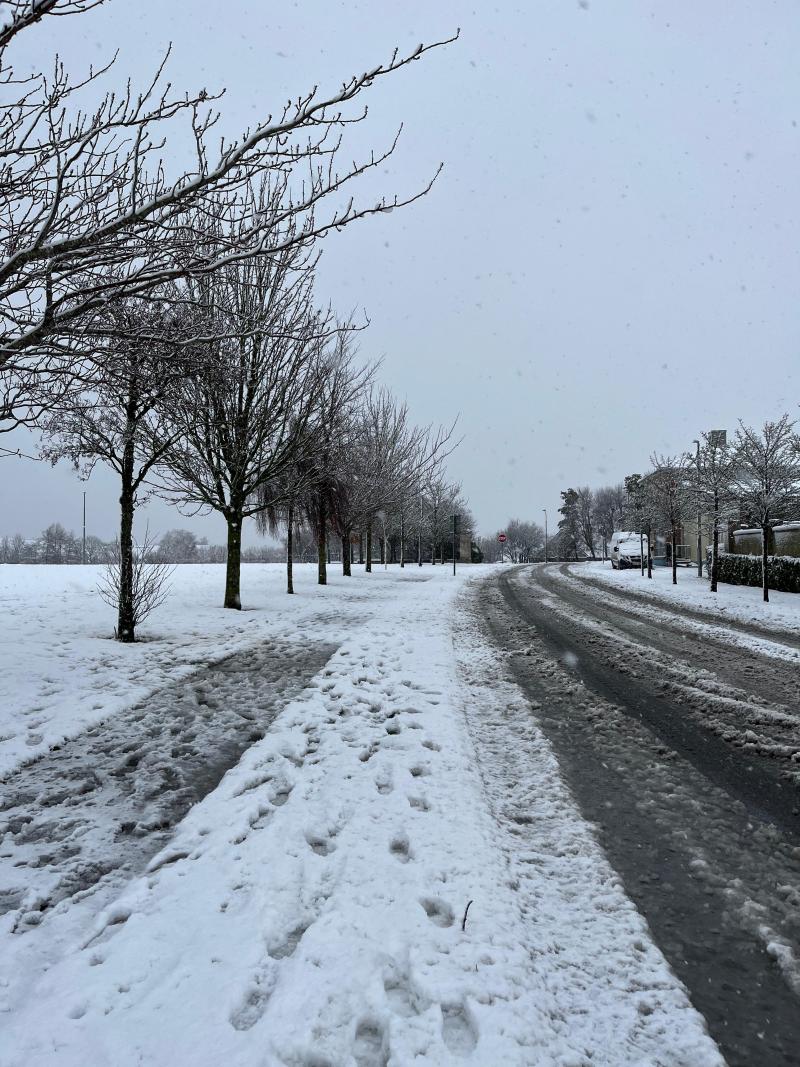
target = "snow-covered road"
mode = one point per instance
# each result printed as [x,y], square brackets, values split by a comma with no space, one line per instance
[311,910]
[675,749]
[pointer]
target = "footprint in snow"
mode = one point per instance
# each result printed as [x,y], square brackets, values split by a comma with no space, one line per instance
[383,783]
[286,948]
[281,795]
[458,1032]
[438,911]
[254,1003]
[319,843]
[400,847]
[371,1045]
[403,999]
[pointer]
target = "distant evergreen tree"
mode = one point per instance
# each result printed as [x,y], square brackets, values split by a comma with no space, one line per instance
[569,530]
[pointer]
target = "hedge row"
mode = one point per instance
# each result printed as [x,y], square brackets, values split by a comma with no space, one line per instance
[784,571]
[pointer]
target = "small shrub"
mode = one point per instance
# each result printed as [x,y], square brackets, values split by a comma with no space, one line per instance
[150,586]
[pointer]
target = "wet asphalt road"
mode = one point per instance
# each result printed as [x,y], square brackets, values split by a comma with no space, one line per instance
[682,752]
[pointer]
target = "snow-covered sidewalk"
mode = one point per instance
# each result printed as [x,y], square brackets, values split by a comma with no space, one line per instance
[737,603]
[309,912]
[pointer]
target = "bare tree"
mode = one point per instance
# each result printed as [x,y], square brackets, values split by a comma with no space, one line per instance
[176,546]
[333,434]
[440,496]
[21,14]
[640,514]
[714,485]
[767,479]
[525,540]
[119,420]
[669,489]
[244,415]
[309,495]
[146,588]
[389,461]
[89,213]
[609,502]
[58,544]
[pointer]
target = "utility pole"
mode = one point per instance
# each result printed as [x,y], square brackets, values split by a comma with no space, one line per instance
[83,546]
[699,514]
[545,534]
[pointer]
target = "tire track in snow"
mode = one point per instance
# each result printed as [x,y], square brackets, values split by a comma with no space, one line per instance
[719,885]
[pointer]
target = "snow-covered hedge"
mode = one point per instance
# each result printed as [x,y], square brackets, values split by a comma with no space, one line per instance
[784,571]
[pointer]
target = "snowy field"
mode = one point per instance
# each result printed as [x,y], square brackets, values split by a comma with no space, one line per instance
[309,911]
[738,603]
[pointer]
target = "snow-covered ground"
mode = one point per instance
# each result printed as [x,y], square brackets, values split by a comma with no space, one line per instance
[738,603]
[311,910]
[60,669]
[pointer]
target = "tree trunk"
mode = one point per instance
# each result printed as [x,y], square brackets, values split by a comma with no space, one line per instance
[674,557]
[765,562]
[126,614]
[369,548]
[649,551]
[383,550]
[402,540]
[289,548]
[322,544]
[233,569]
[360,546]
[346,554]
[715,547]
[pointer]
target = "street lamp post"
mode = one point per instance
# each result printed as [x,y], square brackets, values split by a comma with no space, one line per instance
[545,534]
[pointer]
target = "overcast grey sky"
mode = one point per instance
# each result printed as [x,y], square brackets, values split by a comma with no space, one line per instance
[609,262]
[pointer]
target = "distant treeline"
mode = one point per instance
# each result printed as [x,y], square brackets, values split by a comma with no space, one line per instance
[57,545]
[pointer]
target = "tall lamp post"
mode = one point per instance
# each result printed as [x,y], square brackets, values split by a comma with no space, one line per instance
[545,534]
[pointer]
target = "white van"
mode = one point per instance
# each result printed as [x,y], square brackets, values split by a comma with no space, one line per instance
[626,550]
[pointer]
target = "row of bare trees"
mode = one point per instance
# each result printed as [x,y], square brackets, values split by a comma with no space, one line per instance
[270,417]
[754,478]
[165,324]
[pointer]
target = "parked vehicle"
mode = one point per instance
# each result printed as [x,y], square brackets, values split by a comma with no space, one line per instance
[626,550]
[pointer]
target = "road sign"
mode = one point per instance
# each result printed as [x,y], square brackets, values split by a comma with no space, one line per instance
[502,539]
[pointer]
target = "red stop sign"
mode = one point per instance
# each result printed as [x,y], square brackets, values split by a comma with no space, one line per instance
[502,539]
